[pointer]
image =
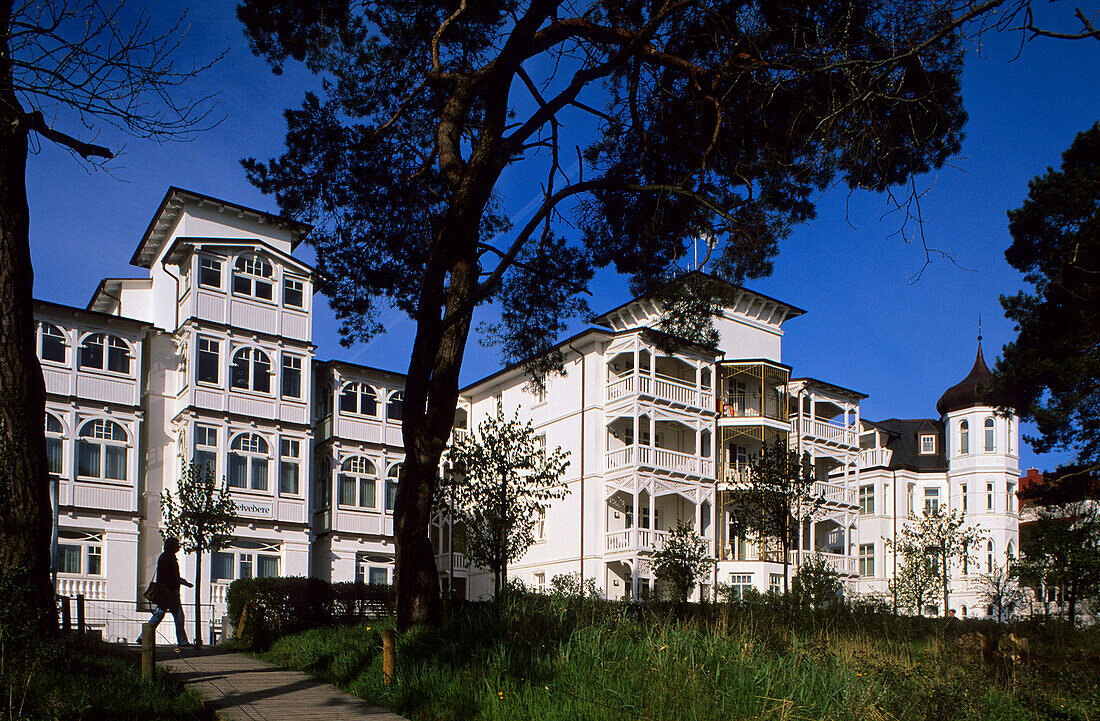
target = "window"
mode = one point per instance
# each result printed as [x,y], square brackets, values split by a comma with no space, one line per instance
[251,370]
[964,437]
[540,444]
[246,559]
[392,479]
[909,499]
[775,583]
[206,449]
[290,451]
[55,455]
[210,273]
[359,398]
[292,376]
[964,497]
[293,292]
[867,560]
[1010,553]
[1009,424]
[989,557]
[990,427]
[252,276]
[322,496]
[209,360]
[80,553]
[358,483]
[540,525]
[927,444]
[866,500]
[395,409]
[989,496]
[53,344]
[931,501]
[101,451]
[540,582]
[740,584]
[99,348]
[966,559]
[1010,497]
[248,462]
[374,570]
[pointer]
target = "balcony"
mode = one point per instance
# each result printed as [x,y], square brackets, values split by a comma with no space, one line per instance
[875,457]
[90,588]
[659,388]
[825,432]
[835,493]
[631,541]
[843,565]
[443,561]
[661,460]
[753,406]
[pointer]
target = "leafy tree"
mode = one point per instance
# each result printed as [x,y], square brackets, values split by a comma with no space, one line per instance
[917,581]
[647,125]
[934,539]
[82,65]
[777,496]
[1051,371]
[1060,550]
[816,583]
[1000,591]
[504,479]
[682,561]
[202,516]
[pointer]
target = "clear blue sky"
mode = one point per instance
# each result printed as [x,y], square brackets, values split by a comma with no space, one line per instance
[867,327]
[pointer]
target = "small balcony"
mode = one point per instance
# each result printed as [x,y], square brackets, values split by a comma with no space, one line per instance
[669,390]
[843,565]
[632,541]
[659,459]
[875,458]
[833,493]
[832,434]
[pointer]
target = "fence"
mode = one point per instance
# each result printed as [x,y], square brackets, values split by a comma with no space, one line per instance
[119,621]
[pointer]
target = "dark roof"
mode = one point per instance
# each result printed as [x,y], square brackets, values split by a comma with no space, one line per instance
[968,392]
[903,440]
[336,363]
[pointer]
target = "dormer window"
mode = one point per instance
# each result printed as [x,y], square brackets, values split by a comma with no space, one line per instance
[927,444]
[210,273]
[252,276]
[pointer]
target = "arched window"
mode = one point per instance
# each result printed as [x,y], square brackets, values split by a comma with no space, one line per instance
[1009,424]
[248,461]
[989,557]
[1010,552]
[105,352]
[964,437]
[358,483]
[251,370]
[359,398]
[52,344]
[392,478]
[101,451]
[252,276]
[395,409]
[990,427]
[55,456]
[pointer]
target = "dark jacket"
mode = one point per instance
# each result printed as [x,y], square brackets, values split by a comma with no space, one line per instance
[168,575]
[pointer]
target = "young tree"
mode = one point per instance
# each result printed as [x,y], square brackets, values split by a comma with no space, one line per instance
[917,581]
[83,65]
[682,561]
[775,499]
[816,583]
[939,537]
[1060,549]
[1000,591]
[648,124]
[504,479]
[1052,370]
[202,516]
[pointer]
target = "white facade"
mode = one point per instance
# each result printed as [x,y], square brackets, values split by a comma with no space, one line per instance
[210,358]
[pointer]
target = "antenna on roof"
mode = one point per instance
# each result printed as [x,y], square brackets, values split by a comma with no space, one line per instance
[979,327]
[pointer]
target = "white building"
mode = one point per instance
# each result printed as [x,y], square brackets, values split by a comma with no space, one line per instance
[210,357]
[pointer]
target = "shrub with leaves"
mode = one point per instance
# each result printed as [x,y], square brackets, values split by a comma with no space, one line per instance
[682,561]
[816,584]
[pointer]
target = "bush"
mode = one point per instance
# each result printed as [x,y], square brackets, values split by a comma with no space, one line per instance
[816,584]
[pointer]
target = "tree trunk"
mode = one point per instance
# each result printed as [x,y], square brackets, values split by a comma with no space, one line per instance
[24,486]
[943,557]
[198,597]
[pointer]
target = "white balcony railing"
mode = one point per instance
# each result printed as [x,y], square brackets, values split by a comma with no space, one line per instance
[89,588]
[828,432]
[844,565]
[219,593]
[875,457]
[443,561]
[835,493]
[661,388]
[634,540]
[660,459]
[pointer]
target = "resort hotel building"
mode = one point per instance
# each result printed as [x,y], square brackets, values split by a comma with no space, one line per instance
[208,357]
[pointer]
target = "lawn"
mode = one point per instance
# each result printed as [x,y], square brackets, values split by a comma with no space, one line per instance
[546,658]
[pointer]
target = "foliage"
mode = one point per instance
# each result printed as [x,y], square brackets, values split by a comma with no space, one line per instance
[1060,550]
[682,561]
[502,478]
[572,586]
[202,514]
[623,662]
[686,120]
[1051,372]
[1000,591]
[770,505]
[929,544]
[816,583]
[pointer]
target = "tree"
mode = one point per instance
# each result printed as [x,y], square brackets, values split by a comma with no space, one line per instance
[636,127]
[999,590]
[816,583]
[937,538]
[1052,370]
[504,479]
[682,561]
[772,503]
[201,516]
[1060,550]
[917,580]
[77,65]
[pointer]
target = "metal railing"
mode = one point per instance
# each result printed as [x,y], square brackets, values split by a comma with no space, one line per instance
[120,621]
[752,405]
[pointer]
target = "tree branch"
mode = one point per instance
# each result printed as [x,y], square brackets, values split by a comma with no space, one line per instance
[37,123]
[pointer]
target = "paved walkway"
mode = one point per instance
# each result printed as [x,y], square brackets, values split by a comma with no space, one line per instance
[242,688]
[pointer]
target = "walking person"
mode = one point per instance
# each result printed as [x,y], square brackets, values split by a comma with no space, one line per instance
[167,594]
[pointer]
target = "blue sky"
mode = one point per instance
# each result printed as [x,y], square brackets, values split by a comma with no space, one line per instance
[867,327]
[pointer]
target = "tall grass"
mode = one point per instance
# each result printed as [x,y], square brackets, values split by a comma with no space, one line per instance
[552,659]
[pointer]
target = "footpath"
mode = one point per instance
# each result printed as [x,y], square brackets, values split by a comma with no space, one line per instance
[242,688]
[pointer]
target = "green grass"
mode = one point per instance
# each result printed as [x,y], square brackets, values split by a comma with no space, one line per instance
[54,681]
[549,660]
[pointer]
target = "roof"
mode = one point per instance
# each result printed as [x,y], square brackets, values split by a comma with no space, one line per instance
[839,390]
[513,366]
[155,234]
[230,242]
[336,363]
[903,440]
[94,313]
[970,391]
